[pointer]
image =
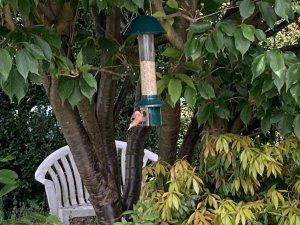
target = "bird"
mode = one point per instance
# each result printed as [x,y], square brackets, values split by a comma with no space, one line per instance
[137,119]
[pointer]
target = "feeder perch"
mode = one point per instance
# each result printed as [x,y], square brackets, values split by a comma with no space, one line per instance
[145,27]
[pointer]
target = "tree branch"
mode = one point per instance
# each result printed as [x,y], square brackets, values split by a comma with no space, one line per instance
[9,23]
[90,124]
[122,96]
[281,26]
[190,140]
[106,97]
[64,19]
[169,133]
[173,36]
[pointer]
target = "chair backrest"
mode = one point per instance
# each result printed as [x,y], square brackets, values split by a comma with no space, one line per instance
[59,174]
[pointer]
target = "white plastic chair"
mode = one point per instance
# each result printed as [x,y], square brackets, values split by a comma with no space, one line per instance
[67,197]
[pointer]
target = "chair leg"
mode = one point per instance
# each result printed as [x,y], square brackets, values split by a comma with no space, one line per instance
[64,217]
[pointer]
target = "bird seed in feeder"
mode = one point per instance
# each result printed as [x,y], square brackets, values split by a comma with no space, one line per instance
[148,78]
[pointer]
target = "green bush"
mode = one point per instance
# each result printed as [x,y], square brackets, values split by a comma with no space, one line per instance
[28,133]
[236,183]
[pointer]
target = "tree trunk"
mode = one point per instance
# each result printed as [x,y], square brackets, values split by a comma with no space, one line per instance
[190,140]
[134,163]
[169,133]
[104,194]
[106,97]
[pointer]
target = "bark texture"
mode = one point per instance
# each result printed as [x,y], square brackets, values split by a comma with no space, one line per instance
[134,162]
[106,96]
[190,140]
[104,194]
[169,133]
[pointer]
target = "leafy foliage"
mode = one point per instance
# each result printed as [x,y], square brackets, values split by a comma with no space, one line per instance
[223,67]
[26,148]
[33,219]
[238,186]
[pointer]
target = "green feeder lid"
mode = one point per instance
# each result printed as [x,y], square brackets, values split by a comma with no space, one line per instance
[143,25]
[149,101]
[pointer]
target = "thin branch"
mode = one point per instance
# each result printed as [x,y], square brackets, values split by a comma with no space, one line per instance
[122,96]
[72,32]
[195,19]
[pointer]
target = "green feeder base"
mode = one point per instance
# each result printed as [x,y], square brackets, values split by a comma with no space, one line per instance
[151,105]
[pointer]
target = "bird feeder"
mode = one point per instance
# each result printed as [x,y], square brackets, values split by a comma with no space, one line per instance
[145,27]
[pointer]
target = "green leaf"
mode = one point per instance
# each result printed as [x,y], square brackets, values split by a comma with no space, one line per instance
[290,58]
[172,4]
[279,81]
[26,63]
[190,96]
[79,60]
[174,90]
[258,66]
[282,8]
[248,31]
[222,111]
[285,124]
[159,14]
[88,86]
[210,45]
[193,48]
[229,44]
[65,87]
[6,189]
[205,113]
[130,6]
[139,3]
[24,8]
[247,8]
[35,51]
[44,46]
[101,4]
[200,27]
[5,63]
[218,38]
[76,95]
[161,86]
[246,114]
[206,91]
[85,69]
[292,75]
[228,27]
[89,52]
[241,43]
[260,35]
[295,92]
[186,79]
[265,124]
[195,67]
[15,85]
[268,13]
[90,80]
[8,177]
[276,60]
[296,125]
[171,52]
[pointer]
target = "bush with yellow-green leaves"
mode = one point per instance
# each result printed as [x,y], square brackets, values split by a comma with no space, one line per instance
[237,182]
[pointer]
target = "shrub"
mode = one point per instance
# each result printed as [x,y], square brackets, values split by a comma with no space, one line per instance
[28,133]
[237,182]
